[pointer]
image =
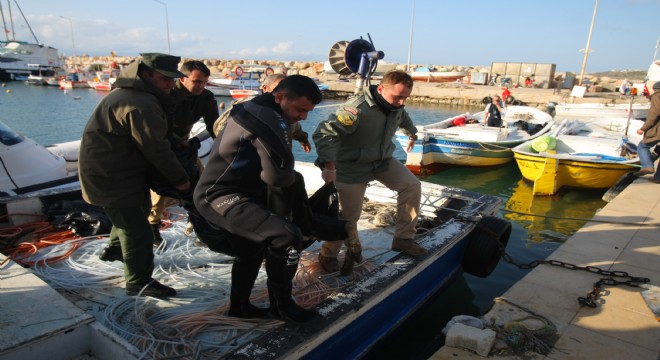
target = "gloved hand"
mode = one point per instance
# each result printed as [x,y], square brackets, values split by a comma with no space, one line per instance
[329,175]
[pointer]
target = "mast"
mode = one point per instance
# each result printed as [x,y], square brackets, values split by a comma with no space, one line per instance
[11,20]
[26,22]
[412,23]
[4,24]
[586,50]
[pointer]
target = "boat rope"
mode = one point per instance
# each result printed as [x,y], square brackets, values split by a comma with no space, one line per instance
[494,147]
[582,219]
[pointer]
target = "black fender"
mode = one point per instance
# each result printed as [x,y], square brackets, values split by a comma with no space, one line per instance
[487,100]
[517,102]
[486,244]
[509,100]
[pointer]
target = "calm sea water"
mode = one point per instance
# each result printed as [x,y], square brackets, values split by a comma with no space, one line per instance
[49,115]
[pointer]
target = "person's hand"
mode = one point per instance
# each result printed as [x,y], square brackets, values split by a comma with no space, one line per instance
[329,175]
[307,147]
[640,132]
[183,188]
[411,143]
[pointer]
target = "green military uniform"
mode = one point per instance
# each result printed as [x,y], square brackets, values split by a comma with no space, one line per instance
[358,140]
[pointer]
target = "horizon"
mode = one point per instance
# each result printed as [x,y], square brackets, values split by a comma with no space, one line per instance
[443,33]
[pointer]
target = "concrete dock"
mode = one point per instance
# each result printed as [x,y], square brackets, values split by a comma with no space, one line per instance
[623,236]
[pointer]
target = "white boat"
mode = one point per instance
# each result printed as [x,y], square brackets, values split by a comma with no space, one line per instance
[591,154]
[460,233]
[594,110]
[241,80]
[427,75]
[20,59]
[455,141]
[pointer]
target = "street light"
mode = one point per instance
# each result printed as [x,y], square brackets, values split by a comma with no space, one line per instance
[167,25]
[72,41]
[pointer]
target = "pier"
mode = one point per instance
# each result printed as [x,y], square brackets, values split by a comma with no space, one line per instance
[623,236]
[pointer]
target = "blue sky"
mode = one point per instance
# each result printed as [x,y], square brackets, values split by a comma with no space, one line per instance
[458,32]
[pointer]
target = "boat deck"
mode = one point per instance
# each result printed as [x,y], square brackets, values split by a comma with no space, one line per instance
[623,236]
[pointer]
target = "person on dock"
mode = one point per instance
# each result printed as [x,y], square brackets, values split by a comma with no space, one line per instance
[651,132]
[354,147]
[251,154]
[493,115]
[124,140]
[193,101]
[269,84]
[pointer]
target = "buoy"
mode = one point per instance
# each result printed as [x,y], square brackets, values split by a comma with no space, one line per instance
[222,105]
[4,85]
[8,91]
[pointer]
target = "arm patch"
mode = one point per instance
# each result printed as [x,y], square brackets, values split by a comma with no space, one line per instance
[347,115]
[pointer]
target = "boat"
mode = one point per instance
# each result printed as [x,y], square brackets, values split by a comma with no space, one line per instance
[242,93]
[20,59]
[455,141]
[358,311]
[426,74]
[588,154]
[104,80]
[594,110]
[240,80]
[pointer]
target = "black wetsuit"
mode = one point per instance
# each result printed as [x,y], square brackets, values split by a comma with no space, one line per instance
[252,153]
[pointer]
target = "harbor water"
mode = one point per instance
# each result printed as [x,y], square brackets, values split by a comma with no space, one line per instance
[540,224]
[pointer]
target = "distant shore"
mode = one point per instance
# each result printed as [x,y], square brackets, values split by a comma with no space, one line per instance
[603,87]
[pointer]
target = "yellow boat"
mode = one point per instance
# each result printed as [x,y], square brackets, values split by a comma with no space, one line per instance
[588,154]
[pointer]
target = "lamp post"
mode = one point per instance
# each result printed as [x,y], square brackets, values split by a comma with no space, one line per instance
[167,25]
[73,42]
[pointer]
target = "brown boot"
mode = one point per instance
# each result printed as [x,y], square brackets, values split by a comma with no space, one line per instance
[329,264]
[643,171]
[408,246]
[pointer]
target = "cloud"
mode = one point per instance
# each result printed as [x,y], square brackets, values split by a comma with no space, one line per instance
[281,48]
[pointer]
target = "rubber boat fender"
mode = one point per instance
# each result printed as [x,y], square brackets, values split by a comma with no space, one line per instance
[239,71]
[517,102]
[486,244]
[510,100]
[487,100]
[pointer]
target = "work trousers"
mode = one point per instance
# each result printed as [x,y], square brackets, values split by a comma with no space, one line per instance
[397,178]
[645,158]
[131,231]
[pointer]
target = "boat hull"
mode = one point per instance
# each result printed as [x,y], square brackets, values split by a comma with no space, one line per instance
[587,110]
[438,76]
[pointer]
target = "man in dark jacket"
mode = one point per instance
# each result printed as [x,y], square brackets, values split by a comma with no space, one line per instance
[125,139]
[251,154]
[194,101]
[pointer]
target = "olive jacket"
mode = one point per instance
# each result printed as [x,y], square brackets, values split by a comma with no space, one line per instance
[125,139]
[358,138]
[651,126]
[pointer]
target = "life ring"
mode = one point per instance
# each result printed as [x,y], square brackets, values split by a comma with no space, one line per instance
[509,100]
[486,243]
[269,71]
[239,71]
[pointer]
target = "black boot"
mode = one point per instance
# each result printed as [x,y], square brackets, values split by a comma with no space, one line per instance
[158,239]
[244,272]
[281,270]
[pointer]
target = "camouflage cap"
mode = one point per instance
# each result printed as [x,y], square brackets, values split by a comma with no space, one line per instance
[163,63]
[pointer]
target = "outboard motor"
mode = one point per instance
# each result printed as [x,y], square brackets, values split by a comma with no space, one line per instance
[550,108]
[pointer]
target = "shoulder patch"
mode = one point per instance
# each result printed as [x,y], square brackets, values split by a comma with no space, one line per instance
[347,115]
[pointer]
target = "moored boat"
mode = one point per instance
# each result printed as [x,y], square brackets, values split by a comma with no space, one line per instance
[428,75]
[591,154]
[594,110]
[465,140]
[460,232]
[242,93]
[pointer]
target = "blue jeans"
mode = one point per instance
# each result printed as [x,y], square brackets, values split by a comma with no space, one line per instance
[645,159]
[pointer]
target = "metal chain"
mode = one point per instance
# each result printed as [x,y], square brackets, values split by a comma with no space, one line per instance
[590,299]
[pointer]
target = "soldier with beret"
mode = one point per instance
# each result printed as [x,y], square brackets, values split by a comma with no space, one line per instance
[125,140]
